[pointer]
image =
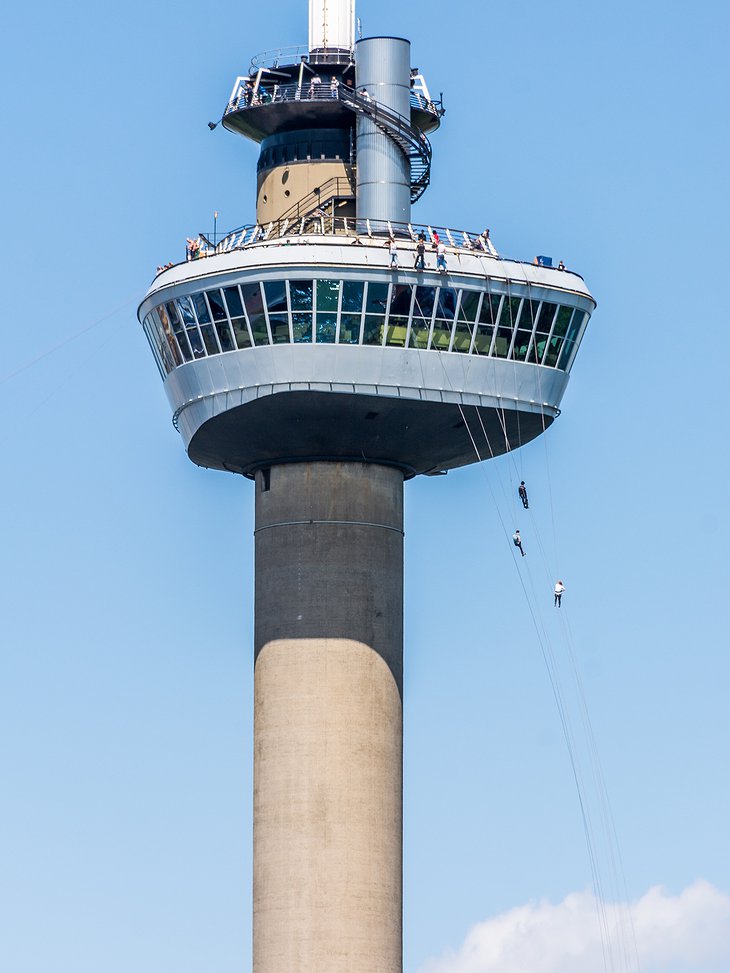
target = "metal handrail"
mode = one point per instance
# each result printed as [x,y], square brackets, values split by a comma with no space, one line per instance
[338,187]
[294,54]
[364,232]
[310,225]
[310,90]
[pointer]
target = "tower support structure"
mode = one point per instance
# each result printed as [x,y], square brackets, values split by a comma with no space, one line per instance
[328,726]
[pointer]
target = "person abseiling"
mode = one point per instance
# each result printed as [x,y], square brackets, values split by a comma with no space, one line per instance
[393,251]
[559,589]
[420,254]
[517,541]
[523,495]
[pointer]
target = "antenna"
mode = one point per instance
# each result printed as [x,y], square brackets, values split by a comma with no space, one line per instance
[331,25]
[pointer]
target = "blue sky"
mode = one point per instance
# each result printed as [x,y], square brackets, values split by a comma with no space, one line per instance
[593,132]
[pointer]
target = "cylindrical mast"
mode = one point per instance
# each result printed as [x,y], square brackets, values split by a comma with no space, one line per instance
[331,25]
[383,169]
[328,730]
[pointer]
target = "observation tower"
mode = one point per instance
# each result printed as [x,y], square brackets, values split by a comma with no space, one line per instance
[294,353]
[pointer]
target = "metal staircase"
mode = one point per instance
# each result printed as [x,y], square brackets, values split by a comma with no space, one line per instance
[411,141]
[334,190]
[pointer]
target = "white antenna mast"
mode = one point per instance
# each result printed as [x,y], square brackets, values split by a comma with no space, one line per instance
[331,25]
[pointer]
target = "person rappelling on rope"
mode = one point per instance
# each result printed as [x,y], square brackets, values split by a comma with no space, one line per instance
[523,495]
[559,589]
[517,541]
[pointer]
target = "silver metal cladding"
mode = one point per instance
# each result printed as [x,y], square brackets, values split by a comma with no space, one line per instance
[383,169]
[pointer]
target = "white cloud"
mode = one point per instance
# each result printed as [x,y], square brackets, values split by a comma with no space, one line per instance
[686,933]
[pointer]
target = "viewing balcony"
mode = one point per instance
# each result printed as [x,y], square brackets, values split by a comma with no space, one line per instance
[276,99]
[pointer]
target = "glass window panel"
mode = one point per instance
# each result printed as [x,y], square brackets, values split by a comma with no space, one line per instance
[328,296]
[420,328]
[158,343]
[350,328]
[446,307]
[462,337]
[507,320]
[522,343]
[163,317]
[553,351]
[182,341]
[259,330]
[502,342]
[185,308]
[490,308]
[562,321]
[538,349]
[425,300]
[397,330]
[154,343]
[208,333]
[224,336]
[253,301]
[326,324]
[441,337]
[196,343]
[510,311]
[566,353]
[301,324]
[178,328]
[201,309]
[276,296]
[377,299]
[575,325]
[216,305]
[373,329]
[301,295]
[279,328]
[172,312]
[547,314]
[240,333]
[469,305]
[483,339]
[352,294]
[528,314]
[400,300]
[233,300]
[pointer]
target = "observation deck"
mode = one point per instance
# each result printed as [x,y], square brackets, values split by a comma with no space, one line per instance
[263,330]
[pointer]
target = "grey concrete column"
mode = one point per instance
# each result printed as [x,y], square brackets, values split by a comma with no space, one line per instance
[383,170]
[328,724]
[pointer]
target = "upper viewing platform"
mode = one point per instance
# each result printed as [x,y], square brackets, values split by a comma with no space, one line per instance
[295,95]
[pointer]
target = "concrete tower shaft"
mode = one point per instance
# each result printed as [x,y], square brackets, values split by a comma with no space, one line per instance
[328,719]
[331,25]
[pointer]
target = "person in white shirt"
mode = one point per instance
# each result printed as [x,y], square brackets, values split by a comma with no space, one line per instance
[393,250]
[559,589]
[517,541]
[441,258]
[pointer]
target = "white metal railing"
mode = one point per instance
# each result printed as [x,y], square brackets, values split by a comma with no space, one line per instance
[360,231]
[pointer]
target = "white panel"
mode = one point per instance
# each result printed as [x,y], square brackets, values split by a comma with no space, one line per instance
[331,24]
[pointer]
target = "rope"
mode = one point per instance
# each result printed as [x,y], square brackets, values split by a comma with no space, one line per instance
[67,341]
[550,661]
